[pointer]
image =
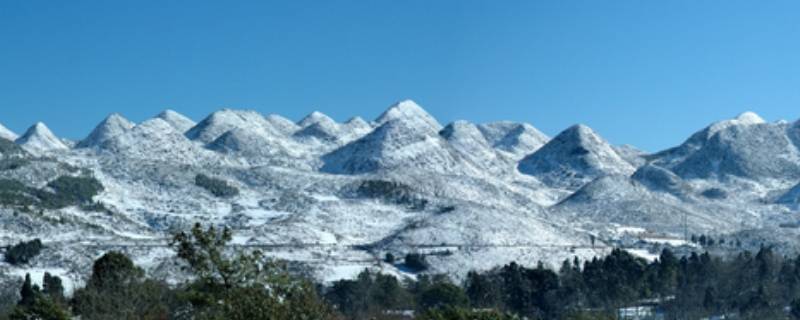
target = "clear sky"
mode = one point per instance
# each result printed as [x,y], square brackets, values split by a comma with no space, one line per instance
[647,73]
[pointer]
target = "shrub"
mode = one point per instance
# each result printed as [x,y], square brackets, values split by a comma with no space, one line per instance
[391,192]
[23,252]
[416,262]
[217,187]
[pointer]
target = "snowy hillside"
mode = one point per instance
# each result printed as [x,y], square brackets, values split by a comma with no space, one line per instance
[336,197]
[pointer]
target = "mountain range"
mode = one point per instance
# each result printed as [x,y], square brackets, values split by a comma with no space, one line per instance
[334,198]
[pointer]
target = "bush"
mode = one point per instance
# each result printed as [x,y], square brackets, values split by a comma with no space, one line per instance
[442,295]
[23,252]
[416,262]
[217,187]
[391,192]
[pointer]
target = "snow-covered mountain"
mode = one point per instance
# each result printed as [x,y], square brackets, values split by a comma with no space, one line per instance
[406,137]
[38,139]
[574,157]
[745,147]
[336,197]
[114,125]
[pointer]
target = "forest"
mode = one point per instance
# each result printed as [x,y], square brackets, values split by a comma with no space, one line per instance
[239,284]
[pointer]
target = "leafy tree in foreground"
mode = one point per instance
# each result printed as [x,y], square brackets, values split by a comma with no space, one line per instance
[36,305]
[118,289]
[242,285]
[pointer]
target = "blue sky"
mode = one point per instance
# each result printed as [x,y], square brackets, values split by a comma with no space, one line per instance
[647,73]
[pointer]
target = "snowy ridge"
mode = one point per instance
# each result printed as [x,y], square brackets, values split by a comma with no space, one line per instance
[409,111]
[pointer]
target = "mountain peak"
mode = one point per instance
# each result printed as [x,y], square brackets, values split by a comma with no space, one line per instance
[393,144]
[38,138]
[574,157]
[517,139]
[749,117]
[178,121]
[409,110]
[110,127]
[315,117]
[219,122]
[7,134]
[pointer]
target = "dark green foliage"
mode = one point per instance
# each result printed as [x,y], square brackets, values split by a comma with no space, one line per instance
[53,288]
[389,258]
[117,289]
[443,295]
[391,192]
[242,285]
[69,190]
[23,252]
[460,313]
[66,191]
[369,294]
[795,309]
[416,262]
[14,193]
[8,147]
[217,187]
[34,304]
